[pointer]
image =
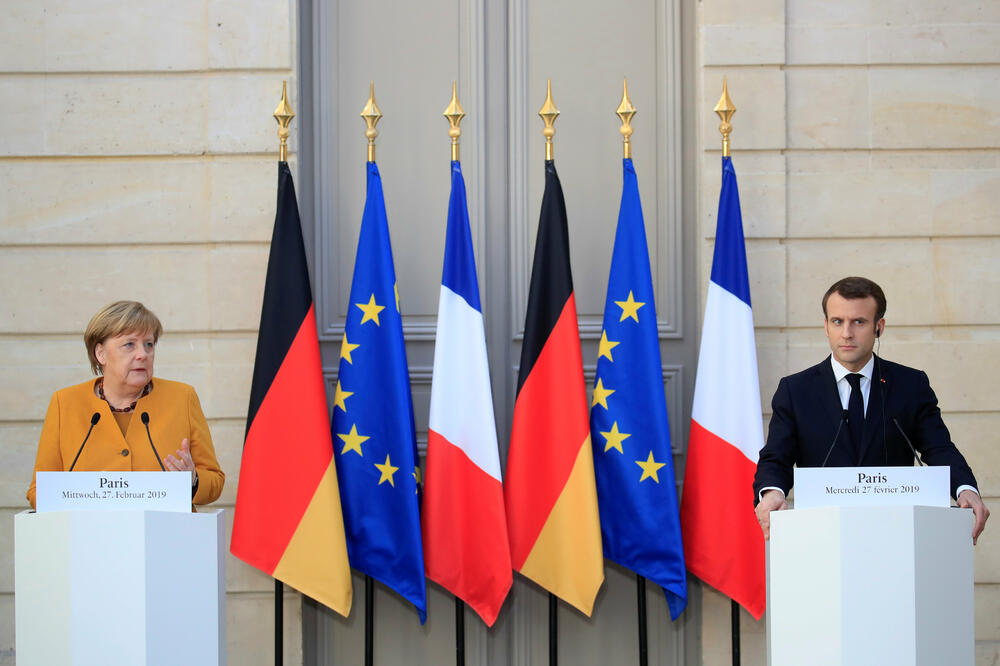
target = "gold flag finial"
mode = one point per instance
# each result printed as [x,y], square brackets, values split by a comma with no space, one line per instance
[372,115]
[454,114]
[626,112]
[549,113]
[725,109]
[283,114]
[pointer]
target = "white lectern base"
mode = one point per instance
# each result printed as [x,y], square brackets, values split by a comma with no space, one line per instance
[870,585]
[119,587]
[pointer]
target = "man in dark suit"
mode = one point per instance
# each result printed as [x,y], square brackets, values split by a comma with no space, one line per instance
[864,401]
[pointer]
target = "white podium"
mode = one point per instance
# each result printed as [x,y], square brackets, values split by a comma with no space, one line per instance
[870,585]
[119,587]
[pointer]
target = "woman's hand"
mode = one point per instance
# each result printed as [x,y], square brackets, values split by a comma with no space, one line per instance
[181,461]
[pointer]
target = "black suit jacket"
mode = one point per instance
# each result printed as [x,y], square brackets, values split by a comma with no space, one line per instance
[806,411]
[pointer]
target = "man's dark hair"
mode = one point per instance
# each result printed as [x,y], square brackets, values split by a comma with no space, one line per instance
[857,287]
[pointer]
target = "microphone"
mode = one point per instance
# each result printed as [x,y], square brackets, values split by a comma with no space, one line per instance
[145,422]
[843,420]
[900,429]
[93,421]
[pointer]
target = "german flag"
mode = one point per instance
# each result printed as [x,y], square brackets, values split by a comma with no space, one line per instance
[552,517]
[288,521]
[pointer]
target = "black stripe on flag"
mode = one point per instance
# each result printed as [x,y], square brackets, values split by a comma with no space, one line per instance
[551,278]
[287,294]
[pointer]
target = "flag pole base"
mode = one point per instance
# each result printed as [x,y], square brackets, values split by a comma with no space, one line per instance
[736,632]
[279,622]
[459,632]
[640,599]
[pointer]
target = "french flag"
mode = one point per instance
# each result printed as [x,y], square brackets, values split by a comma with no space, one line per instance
[723,544]
[466,549]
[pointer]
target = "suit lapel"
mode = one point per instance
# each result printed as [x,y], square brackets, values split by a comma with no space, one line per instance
[830,395]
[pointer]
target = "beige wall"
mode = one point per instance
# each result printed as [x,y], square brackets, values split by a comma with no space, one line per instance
[867,141]
[137,160]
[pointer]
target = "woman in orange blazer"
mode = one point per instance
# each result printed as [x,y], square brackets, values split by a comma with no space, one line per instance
[132,413]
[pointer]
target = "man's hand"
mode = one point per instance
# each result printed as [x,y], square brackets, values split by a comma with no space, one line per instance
[970,499]
[774,500]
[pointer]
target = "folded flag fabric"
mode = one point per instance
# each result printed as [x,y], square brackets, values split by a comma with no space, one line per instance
[633,461]
[723,543]
[374,440]
[551,501]
[466,549]
[287,520]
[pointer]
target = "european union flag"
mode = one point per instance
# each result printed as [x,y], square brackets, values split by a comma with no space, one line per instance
[628,418]
[373,432]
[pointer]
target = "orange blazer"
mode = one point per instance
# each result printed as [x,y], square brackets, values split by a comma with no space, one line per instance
[174,413]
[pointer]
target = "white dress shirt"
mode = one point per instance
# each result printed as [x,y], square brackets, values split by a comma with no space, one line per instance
[844,386]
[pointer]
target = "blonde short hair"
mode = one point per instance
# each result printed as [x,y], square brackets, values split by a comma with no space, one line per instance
[117,318]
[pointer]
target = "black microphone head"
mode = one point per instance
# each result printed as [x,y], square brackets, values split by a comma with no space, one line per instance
[844,415]
[145,418]
[95,418]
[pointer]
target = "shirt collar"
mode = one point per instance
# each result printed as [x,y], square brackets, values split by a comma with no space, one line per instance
[839,371]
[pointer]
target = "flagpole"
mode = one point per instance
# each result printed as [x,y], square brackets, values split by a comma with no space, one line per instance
[548,114]
[283,114]
[640,596]
[454,114]
[459,632]
[553,630]
[725,110]
[371,115]
[279,614]
[369,621]
[625,112]
[735,622]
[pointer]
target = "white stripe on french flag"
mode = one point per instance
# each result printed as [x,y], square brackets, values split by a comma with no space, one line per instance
[727,391]
[461,402]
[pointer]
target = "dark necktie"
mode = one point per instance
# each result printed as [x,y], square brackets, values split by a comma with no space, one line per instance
[856,413]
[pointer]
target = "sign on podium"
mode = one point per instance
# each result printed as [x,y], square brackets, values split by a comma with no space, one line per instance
[871,486]
[113,491]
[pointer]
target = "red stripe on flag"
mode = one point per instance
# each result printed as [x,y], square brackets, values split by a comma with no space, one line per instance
[723,544]
[465,529]
[550,422]
[287,450]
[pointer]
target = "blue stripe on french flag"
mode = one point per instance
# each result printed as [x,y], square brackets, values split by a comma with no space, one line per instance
[459,274]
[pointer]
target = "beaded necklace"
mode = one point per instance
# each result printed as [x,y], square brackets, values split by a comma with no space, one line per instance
[100,393]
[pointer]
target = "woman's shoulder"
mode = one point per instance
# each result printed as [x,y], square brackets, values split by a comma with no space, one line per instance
[77,391]
[171,386]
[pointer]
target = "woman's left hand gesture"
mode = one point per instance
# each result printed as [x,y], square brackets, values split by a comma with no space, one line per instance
[181,461]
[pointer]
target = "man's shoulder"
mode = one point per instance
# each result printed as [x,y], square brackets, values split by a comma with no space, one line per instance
[892,366]
[897,370]
[882,366]
[810,374]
